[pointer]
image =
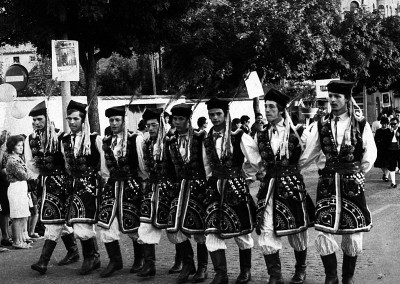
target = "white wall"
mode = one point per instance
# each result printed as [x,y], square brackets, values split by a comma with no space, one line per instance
[24,125]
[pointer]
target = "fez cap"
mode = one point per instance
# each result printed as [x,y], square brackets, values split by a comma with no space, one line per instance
[152,113]
[39,109]
[276,96]
[217,103]
[117,110]
[77,106]
[184,110]
[340,87]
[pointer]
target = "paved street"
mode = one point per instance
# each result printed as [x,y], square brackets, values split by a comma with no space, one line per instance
[378,264]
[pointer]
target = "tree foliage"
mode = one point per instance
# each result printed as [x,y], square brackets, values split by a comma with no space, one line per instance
[281,39]
[100,26]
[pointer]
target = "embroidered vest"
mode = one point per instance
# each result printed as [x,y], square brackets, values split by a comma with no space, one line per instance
[348,153]
[47,163]
[273,162]
[231,164]
[193,169]
[157,169]
[121,167]
[81,165]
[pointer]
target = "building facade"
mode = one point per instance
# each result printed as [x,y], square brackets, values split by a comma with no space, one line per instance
[386,7]
[23,54]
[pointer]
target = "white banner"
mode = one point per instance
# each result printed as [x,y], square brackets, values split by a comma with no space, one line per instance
[253,85]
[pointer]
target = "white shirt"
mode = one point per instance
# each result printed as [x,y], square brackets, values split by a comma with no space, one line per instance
[313,150]
[250,151]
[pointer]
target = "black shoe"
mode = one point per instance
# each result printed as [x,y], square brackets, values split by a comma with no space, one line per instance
[273,263]
[149,268]
[393,185]
[177,267]
[138,258]
[186,254]
[219,261]
[202,262]
[6,243]
[330,265]
[245,266]
[300,273]
[72,250]
[47,251]
[91,257]
[385,178]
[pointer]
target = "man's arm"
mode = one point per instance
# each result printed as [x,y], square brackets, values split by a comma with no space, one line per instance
[369,146]
[139,149]
[252,154]
[207,166]
[104,172]
[312,151]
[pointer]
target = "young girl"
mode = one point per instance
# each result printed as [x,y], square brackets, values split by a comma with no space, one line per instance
[17,175]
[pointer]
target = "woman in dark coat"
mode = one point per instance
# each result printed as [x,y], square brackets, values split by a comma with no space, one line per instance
[383,138]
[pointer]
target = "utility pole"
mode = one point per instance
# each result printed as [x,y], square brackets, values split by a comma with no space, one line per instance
[65,85]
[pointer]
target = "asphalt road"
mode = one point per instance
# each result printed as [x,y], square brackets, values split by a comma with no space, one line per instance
[379,262]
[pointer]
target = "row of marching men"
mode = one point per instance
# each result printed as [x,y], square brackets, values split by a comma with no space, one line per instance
[195,184]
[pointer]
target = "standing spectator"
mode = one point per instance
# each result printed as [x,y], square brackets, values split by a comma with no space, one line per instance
[142,130]
[235,124]
[202,123]
[245,121]
[393,150]
[376,124]
[4,204]
[383,138]
[17,175]
[257,125]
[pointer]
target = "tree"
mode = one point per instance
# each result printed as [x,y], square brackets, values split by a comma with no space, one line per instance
[100,26]
[40,81]
[280,39]
[121,76]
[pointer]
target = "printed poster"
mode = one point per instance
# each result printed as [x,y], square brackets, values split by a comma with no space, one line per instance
[65,60]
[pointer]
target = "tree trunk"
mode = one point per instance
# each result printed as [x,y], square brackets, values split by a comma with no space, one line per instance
[91,92]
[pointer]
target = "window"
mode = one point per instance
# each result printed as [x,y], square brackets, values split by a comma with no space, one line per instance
[16,59]
[354,6]
[32,58]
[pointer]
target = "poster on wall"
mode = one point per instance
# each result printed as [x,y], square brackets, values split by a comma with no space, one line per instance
[385,99]
[65,60]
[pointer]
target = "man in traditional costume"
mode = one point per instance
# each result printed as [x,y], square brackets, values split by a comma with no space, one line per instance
[84,161]
[282,208]
[45,161]
[187,215]
[120,197]
[344,150]
[158,188]
[229,203]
